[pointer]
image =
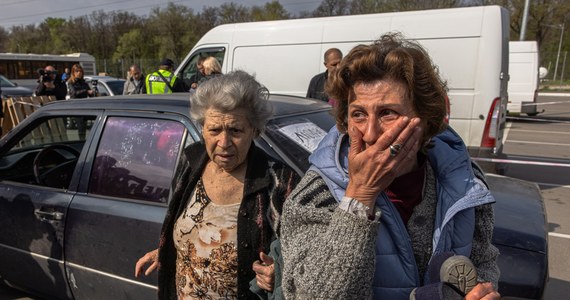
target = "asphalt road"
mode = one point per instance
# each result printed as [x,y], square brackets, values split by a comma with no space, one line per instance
[539,148]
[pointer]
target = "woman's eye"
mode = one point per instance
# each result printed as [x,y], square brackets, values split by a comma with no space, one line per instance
[214,130]
[388,115]
[357,115]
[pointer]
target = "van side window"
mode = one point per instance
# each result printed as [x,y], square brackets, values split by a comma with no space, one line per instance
[136,158]
[189,73]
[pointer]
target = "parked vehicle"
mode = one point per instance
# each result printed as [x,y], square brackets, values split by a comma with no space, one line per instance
[523,77]
[470,46]
[10,88]
[106,85]
[22,68]
[77,209]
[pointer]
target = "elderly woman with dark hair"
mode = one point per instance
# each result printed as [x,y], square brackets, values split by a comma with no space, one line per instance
[226,207]
[392,206]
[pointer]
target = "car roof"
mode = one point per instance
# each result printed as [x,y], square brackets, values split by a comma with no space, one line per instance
[103,78]
[283,105]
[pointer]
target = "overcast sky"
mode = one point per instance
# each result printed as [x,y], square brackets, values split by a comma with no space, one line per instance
[18,12]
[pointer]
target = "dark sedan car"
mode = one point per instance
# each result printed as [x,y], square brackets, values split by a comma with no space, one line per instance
[78,207]
[10,88]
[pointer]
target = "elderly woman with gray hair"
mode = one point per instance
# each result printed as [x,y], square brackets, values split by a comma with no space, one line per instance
[226,205]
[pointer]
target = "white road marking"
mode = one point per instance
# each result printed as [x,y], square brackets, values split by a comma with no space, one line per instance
[538,143]
[539,131]
[555,94]
[553,185]
[506,132]
[560,235]
[521,162]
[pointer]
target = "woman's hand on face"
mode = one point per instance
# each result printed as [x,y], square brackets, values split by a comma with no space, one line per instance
[483,291]
[149,258]
[264,272]
[372,169]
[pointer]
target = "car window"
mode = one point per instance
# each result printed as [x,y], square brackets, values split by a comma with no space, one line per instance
[103,91]
[47,154]
[296,137]
[116,86]
[136,158]
[4,82]
[190,70]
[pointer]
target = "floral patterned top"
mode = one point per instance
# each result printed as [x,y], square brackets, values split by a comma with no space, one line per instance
[205,237]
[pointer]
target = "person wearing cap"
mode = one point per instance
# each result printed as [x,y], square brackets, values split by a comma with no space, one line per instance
[164,81]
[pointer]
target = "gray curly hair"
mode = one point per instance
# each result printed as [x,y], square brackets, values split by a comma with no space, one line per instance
[228,92]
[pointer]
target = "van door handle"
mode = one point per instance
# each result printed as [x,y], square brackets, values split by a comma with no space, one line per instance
[48,217]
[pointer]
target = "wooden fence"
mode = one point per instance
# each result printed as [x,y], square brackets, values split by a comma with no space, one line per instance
[16,109]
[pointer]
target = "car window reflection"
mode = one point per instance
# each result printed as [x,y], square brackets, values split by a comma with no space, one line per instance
[48,153]
[136,158]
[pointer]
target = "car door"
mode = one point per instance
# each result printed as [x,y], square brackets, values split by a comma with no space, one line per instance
[39,166]
[119,216]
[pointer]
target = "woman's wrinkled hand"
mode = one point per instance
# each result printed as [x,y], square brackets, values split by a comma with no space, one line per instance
[484,291]
[372,168]
[149,258]
[264,272]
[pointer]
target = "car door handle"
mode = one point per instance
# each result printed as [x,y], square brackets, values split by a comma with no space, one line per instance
[48,216]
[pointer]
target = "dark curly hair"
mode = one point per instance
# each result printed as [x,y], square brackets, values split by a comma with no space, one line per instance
[392,58]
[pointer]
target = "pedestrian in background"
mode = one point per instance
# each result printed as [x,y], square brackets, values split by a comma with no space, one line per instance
[316,89]
[65,75]
[212,68]
[135,83]
[49,84]
[164,81]
[78,88]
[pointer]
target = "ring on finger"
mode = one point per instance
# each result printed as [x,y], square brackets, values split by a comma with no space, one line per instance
[394,149]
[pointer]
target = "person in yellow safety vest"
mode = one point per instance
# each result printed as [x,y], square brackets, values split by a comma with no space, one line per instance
[163,81]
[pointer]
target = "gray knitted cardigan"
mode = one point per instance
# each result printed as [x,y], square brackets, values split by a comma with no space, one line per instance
[335,249]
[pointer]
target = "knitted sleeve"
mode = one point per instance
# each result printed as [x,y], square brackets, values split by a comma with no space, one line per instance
[328,253]
[484,254]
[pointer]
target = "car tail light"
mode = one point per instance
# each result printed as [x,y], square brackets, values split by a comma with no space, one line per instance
[492,125]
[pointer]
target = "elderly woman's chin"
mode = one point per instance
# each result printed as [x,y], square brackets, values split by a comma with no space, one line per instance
[228,163]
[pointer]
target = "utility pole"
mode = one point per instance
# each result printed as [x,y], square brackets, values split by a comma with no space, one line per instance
[524,20]
[561,26]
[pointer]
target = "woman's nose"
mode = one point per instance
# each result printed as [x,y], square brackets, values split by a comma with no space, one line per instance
[372,131]
[224,140]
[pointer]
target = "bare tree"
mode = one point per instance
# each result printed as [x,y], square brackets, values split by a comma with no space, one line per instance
[332,8]
[234,13]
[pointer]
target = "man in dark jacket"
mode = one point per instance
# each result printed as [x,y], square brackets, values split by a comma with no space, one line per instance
[50,84]
[316,90]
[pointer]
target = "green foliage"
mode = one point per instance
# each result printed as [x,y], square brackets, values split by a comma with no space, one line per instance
[118,38]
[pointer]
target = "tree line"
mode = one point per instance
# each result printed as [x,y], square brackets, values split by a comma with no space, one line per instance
[120,38]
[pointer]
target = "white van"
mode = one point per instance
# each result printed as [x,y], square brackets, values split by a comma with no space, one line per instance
[470,46]
[523,77]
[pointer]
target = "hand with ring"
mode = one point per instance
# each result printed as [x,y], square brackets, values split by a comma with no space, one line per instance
[373,166]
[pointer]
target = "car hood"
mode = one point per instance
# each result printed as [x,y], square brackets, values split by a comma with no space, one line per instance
[16,91]
[520,216]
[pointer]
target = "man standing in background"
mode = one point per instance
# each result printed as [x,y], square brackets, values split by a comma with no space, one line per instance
[164,81]
[135,83]
[316,90]
[49,84]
